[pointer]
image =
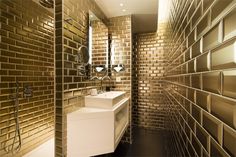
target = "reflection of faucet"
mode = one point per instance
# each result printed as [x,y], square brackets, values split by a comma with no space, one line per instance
[106,76]
[103,78]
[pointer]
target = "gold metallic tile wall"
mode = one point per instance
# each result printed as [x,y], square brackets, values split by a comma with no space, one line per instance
[71,32]
[58,79]
[27,56]
[201,86]
[149,109]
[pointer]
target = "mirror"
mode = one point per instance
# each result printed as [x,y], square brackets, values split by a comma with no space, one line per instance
[98,46]
[82,61]
[116,58]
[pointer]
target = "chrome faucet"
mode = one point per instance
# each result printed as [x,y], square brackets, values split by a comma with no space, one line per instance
[103,78]
[94,78]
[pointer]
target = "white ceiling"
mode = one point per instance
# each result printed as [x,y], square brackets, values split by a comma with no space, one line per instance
[112,8]
[144,11]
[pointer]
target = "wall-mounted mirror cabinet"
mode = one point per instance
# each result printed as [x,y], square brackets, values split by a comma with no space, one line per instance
[98,46]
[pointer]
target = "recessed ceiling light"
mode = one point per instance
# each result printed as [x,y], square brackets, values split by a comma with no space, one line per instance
[121,4]
[123,10]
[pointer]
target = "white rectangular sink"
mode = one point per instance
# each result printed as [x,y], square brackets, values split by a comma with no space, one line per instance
[104,100]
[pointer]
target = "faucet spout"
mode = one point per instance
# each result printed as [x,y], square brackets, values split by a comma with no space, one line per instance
[94,78]
[103,78]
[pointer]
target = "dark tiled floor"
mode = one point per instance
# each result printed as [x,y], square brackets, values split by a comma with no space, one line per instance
[146,143]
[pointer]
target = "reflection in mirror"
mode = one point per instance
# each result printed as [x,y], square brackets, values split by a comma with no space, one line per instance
[98,46]
[116,57]
[82,60]
[84,55]
[118,68]
[100,68]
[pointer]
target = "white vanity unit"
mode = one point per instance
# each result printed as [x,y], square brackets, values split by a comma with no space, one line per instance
[98,127]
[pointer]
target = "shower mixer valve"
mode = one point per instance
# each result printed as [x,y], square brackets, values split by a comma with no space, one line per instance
[28,91]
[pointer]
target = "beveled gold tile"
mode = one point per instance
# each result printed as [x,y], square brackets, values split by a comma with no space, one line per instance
[192,8]
[218,7]
[203,63]
[187,80]
[224,56]
[196,145]
[184,68]
[196,15]
[205,154]
[187,55]
[191,38]
[203,24]
[212,82]
[207,3]
[187,105]
[191,94]
[211,39]
[187,30]
[196,113]
[229,85]
[203,100]
[196,81]
[213,126]
[191,123]
[190,149]
[224,109]
[216,150]
[230,25]
[203,136]
[229,139]
[196,49]
[187,131]
[191,67]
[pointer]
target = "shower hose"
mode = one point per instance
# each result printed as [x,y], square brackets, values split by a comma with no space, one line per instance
[16,145]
